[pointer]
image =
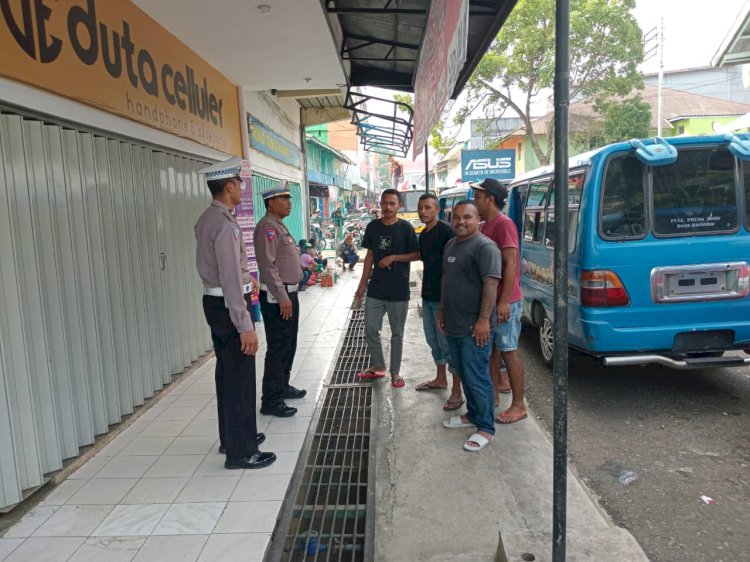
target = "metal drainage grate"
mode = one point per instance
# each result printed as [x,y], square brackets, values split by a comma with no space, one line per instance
[327,515]
[353,356]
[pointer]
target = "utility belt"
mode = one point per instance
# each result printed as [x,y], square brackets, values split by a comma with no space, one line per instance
[289,288]
[217,292]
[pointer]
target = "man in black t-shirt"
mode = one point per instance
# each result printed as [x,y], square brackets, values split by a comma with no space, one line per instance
[433,239]
[391,245]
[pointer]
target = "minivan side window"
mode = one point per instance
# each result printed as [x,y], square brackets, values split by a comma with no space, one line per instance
[575,188]
[622,211]
[530,226]
[537,193]
[448,211]
[533,227]
[746,183]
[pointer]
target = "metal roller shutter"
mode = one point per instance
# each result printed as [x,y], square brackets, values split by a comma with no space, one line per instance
[99,299]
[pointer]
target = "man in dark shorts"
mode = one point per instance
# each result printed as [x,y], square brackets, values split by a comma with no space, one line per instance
[391,246]
[490,196]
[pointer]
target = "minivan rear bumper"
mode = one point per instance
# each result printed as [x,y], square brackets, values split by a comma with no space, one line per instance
[686,363]
[600,338]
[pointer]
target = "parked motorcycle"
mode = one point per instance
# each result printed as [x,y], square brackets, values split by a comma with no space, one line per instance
[356,229]
[323,235]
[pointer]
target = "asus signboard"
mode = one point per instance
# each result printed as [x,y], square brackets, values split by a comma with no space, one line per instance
[479,164]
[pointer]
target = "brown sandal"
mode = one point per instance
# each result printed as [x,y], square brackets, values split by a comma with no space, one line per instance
[451,405]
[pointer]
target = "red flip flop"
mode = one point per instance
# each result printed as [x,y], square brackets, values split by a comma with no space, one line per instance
[398,383]
[368,374]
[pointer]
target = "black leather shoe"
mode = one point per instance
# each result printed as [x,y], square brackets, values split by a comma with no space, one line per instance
[259,438]
[279,409]
[258,460]
[291,393]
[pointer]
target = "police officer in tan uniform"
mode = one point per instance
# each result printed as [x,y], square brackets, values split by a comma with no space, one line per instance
[222,265]
[280,274]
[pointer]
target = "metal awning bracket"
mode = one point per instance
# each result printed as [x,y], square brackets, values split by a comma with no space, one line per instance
[387,130]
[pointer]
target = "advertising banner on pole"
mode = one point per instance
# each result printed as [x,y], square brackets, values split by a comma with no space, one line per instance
[479,164]
[245,215]
[441,59]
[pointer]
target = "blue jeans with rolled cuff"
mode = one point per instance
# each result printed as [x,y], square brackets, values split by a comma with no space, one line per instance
[436,339]
[473,365]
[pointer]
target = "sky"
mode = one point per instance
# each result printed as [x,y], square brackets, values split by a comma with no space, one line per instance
[693,32]
[693,29]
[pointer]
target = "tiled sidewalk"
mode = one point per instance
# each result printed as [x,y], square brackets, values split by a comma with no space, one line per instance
[159,490]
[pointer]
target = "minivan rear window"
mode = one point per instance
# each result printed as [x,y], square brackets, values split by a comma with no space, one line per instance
[697,194]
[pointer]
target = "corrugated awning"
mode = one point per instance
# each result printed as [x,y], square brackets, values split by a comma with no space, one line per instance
[379,41]
[384,43]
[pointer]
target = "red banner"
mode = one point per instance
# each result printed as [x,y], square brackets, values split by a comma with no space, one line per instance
[440,62]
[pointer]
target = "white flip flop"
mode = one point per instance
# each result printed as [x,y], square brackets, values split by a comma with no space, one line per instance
[456,423]
[477,438]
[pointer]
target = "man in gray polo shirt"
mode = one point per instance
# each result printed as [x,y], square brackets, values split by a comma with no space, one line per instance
[471,272]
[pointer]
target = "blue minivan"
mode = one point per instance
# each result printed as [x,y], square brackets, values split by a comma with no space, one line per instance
[447,198]
[659,251]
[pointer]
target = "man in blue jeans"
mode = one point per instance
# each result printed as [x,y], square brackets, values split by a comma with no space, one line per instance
[432,240]
[471,273]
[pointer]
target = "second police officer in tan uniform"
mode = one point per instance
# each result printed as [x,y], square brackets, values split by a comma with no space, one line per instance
[222,265]
[280,274]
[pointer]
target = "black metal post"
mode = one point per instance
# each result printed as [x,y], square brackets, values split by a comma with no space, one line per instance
[560,368]
[426,170]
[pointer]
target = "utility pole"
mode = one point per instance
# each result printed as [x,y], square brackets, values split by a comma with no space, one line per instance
[660,103]
[653,45]
[560,295]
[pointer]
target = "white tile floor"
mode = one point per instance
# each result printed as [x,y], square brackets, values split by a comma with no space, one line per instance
[159,490]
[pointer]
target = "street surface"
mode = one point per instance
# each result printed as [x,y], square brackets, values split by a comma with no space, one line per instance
[685,434]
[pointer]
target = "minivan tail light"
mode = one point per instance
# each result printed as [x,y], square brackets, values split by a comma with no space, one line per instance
[603,288]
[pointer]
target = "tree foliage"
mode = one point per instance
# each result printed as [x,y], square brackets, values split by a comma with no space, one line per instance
[615,120]
[624,120]
[605,50]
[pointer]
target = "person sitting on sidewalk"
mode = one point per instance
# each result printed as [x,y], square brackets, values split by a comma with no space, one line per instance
[391,246]
[347,251]
[489,197]
[432,241]
[308,264]
[471,273]
[317,256]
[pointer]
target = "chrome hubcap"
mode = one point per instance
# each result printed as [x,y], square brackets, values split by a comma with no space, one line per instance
[546,339]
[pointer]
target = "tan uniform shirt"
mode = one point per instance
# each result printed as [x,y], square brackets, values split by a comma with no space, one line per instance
[222,262]
[278,256]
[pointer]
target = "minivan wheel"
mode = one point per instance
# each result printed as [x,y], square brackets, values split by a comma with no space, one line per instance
[546,340]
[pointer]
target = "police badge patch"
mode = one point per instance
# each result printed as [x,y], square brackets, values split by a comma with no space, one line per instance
[270,233]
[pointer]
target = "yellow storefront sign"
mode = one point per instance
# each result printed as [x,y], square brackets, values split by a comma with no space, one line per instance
[109,54]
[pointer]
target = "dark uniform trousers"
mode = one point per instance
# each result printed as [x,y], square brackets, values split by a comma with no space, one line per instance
[281,340]
[235,382]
